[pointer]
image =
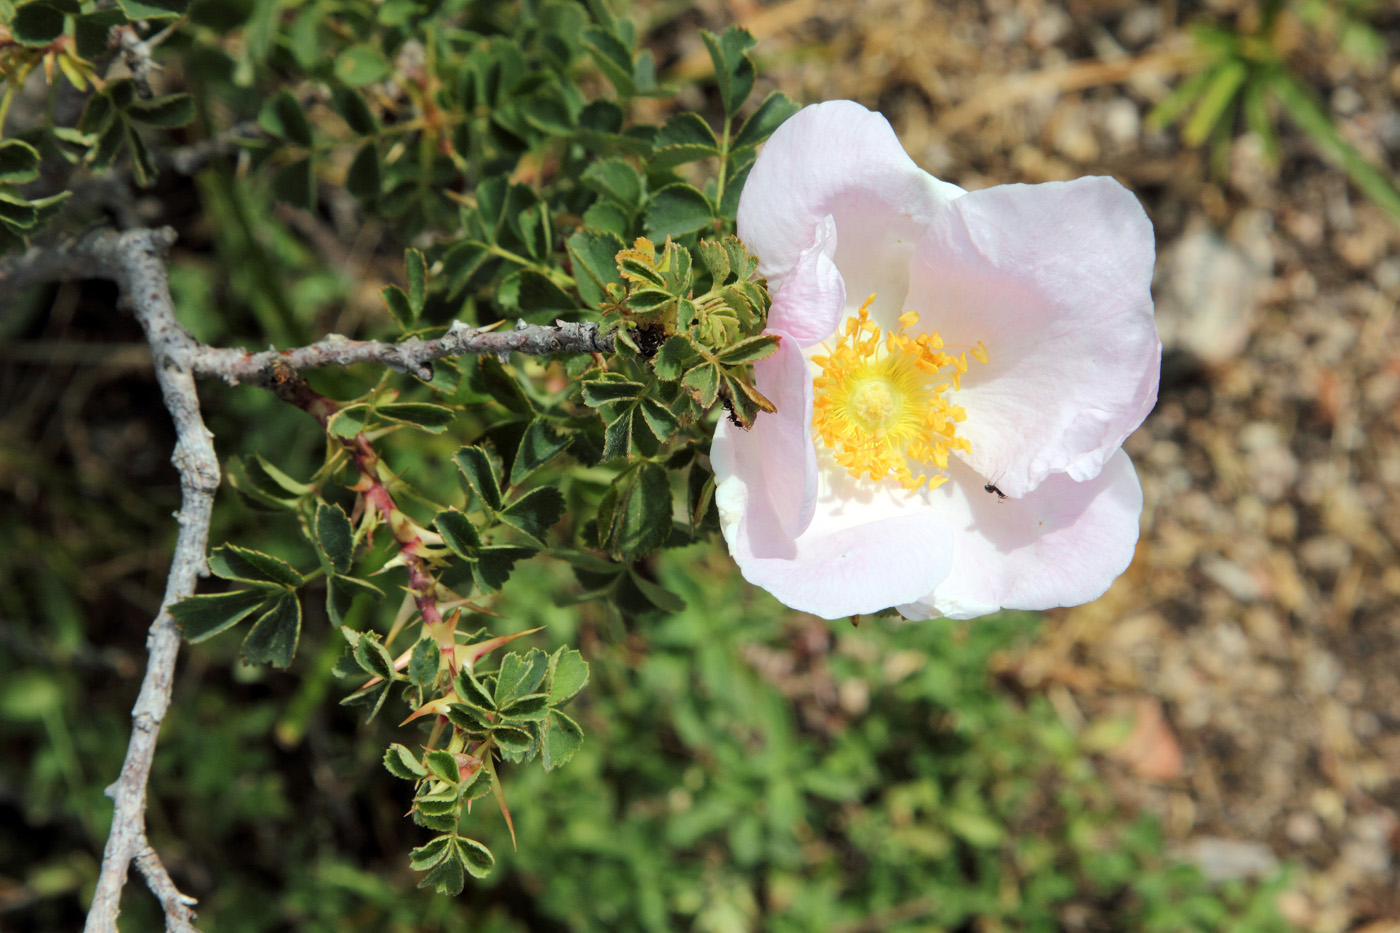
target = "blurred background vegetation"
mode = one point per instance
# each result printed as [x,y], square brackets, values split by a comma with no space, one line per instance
[1211,747]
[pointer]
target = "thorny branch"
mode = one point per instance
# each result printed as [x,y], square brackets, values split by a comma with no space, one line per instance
[135,260]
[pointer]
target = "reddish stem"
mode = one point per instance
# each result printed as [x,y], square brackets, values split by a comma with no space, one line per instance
[293,389]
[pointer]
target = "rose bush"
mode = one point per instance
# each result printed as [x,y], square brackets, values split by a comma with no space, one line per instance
[949,445]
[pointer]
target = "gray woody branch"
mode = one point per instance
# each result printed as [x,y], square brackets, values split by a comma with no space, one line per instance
[135,260]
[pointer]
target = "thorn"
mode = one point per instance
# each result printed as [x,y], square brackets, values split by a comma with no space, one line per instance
[501,802]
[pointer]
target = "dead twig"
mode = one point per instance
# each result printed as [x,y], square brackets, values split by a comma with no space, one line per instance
[136,261]
[410,356]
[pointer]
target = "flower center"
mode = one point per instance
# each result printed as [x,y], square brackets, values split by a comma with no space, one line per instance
[881,403]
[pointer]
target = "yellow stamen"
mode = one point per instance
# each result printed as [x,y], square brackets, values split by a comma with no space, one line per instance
[882,404]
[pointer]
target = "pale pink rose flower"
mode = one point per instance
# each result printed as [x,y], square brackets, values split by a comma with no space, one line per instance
[889,478]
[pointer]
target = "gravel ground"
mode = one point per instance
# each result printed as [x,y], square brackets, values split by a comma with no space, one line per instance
[1242,680]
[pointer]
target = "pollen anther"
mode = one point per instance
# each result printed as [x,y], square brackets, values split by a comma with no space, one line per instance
[881,405]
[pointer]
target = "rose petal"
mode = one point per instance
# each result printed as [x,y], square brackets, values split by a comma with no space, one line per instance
[1062,545]
[774,464]
[812,298]
[866,548]
[841,161]
[1055,280]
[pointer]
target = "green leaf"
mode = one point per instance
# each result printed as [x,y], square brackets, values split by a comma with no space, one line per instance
[634,517]
[531,708]
[511,740]
[771,114]
[977,829]
[438,804]
[702,382]
[538,445]
[202,617]
[363,179]
[560,738]
[265,484]
[606,217]
[109,143]
[471,690]
[677,353]
[295,184]
[96,116]
[533,296]
[459,533]
[744,401]
[658,596]
[480,473]
[37,23]
[465,264]
[349,421]
[45,208]
[714,257]
[360,65]
[659,419]
[171,111]
[734,71]
[476,857]
[547,113]
[416,269]
[1225,82]
[426,856]
[424,662]
[675,210]
[616,180]
[143,170]
[535,512]
[273,638]
[519,675]
[292,122]
[371,655]
[90,32]
[599,392]
[599,123]
[397,302]
[1170,108]
[446,876]
[494,564]
[341,592]
[19,162]
[595,265]
[232,562]
[568,674]
[476,723]
[617,436]
[422,415]
[354,111]
[442,766]
[749,350]
[335,536]
[444,823]
[17,213]
[401,763]
[613,58]
[686,137]
[496,381]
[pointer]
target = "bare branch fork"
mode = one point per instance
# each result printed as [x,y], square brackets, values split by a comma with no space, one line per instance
[135,260]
